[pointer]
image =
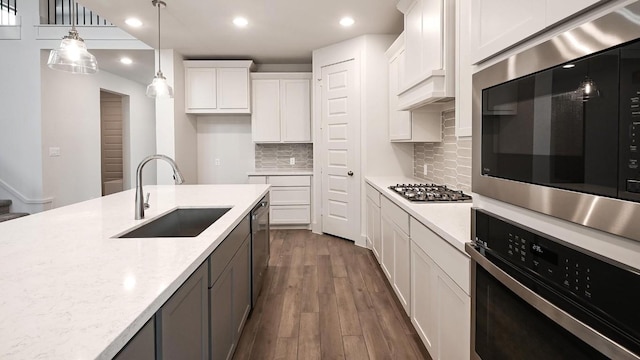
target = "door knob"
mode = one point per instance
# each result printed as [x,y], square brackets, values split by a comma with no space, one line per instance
[350,173]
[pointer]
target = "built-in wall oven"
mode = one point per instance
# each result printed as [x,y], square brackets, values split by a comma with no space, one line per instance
[556,128]
[537,297]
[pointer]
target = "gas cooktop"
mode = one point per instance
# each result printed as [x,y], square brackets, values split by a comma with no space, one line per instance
[429,193]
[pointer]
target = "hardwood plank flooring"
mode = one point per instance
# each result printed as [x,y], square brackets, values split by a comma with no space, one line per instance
[325,298]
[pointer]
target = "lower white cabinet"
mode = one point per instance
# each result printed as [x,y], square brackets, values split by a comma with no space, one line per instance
[290,198]
[441,307]
[374,237]
[396,250]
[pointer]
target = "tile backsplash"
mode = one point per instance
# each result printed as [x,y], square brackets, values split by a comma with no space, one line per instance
[277,156]
[448,162]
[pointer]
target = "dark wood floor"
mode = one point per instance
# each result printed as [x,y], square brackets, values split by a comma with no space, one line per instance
[325,298]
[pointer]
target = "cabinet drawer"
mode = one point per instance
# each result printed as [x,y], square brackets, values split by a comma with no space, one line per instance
[289,214]
[395,214]
[257,179]
[373,194]
[291,195]
[298,180]
[223,254]
[454,263]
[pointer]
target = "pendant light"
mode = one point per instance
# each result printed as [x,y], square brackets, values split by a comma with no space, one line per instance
[587,90]
[159,88]
[72,55]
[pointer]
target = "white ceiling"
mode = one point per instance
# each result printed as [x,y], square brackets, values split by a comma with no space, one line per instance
[279,31]
[141,70]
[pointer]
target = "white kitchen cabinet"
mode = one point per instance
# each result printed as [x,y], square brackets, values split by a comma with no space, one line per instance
[560,10]
[290,198]
[281,105]
[439,294]
[423,309]
[374,237]
[453,308]
[423,125]
[429,53]
[217,87]
[497,25]
[396,250]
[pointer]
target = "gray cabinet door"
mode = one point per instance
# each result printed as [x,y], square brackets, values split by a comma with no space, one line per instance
[241,288]
[142,346]
[222,316]
[183,326]
[231,303]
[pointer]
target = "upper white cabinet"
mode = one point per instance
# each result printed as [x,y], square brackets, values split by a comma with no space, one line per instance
[281,105]
[217,87]
[404,125]
[429,55]
[499,24]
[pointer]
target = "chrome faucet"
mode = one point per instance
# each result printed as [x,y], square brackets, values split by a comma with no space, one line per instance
[140,203]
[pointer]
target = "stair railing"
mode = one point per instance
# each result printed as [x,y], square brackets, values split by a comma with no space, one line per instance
[59,13]
[8,12]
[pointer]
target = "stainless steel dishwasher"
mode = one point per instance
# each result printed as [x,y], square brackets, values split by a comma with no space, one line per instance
[259,245]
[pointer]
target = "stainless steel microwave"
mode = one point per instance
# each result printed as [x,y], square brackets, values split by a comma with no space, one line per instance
[556,128]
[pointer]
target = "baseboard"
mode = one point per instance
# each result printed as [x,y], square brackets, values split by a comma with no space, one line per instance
[289,227]
[22,203]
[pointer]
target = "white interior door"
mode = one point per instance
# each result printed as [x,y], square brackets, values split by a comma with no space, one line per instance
[341,145]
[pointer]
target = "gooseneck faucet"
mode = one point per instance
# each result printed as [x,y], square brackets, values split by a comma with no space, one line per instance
[140,203]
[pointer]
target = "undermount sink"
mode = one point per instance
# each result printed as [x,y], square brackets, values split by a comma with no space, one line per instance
[181,222]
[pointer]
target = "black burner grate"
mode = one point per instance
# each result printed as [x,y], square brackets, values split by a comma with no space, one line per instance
[429,193]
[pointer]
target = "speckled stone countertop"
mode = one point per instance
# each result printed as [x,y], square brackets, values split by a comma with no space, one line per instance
[70,290]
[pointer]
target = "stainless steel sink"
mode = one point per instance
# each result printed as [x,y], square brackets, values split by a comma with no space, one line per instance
[181,222]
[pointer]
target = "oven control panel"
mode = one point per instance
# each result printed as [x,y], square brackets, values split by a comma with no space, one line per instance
[567,268]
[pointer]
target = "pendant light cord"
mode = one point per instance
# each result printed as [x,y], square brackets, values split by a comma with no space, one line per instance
[159,4]
[73,15]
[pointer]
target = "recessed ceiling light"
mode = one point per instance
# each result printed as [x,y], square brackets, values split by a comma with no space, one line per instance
[133,22]
[347,21]
[240,22]
[568,66]
[126,61]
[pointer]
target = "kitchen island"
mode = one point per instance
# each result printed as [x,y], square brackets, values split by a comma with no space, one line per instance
[71,290]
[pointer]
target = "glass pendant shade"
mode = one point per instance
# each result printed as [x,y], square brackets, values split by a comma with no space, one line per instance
[159,88]
[72,55]
[587,90]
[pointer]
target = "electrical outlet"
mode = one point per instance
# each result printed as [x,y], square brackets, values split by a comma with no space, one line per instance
[292,161]
[217,162]
[54,151]
[424,171]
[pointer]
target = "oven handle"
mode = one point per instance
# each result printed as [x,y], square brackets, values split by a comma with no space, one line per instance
[584,332]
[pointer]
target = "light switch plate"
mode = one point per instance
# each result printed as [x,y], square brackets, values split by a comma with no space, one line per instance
[424,171]
[292,161]
[217,162]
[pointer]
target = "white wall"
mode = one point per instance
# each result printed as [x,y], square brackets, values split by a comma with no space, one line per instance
[228,138]
[20,134]
[175,130]
[185,126]
[71,121]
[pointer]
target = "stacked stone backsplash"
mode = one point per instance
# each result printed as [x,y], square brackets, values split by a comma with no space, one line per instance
[276,156]
[448,162]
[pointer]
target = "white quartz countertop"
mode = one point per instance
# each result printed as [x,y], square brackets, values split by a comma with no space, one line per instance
[69,290]
[451,221]
[280,172]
